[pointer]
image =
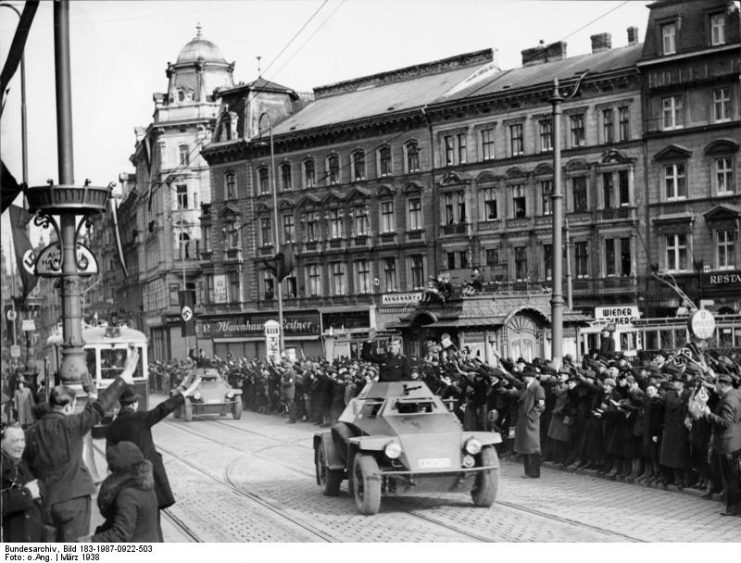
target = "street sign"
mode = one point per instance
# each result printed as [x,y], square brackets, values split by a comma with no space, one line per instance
[28,325]
[15,351]
[49,261]
[12,315]
[701,324]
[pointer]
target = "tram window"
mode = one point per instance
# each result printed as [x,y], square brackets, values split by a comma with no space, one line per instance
[625,341]
[652,340]
[667,338]
[680,337]
[90,361]
[113,361]
[725,335]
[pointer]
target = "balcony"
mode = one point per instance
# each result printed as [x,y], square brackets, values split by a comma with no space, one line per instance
[416,236]
[485,226]
[455,229]
[311,246]
[232,255]
[360,241]
[604,286]
[617,213]
[335,244]
[387,238]
[265,250]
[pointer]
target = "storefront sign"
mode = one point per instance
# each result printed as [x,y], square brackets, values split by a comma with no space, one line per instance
[401,298]
[620,315]
[252,326]
[732,279]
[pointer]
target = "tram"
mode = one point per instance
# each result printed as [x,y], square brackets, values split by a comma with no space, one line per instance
[106,348]
[653,334]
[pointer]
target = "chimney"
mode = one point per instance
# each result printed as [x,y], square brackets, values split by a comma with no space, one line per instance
[632,35]
[544,53]
[601,42]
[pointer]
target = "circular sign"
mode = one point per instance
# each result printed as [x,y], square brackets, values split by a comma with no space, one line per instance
[186,312]
[701,324]
[12,315]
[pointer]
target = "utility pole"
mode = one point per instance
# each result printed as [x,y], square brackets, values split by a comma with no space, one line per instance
[557,197]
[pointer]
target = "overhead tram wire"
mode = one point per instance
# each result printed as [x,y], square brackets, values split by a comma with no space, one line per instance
[295,35]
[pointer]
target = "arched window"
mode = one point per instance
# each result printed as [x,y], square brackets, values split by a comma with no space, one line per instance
[184,155]
[230,186]
[411,150]
[286,182]
[263,180]
[384,161]
[358,165]
[309,173]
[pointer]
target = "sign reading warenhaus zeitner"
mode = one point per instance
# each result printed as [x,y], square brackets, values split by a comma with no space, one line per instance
[252,325]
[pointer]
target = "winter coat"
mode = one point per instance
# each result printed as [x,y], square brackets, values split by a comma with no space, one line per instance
[558,429]
[23,519]
[675,441]
[54,448]
[726,421]
[288,385]
[392,367]
[136,426]
[128,503]
[23,405]
[530,405]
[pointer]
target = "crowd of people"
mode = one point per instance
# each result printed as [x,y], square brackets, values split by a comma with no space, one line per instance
[671,419]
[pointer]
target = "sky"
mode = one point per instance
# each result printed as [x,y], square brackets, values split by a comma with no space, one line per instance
[120,51]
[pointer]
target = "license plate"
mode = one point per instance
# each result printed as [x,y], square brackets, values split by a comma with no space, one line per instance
[434,463]
[214,401]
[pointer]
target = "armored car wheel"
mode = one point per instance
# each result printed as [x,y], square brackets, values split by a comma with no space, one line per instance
[487,482]
[237,408]
[329,479]
[187,410]
[366,484]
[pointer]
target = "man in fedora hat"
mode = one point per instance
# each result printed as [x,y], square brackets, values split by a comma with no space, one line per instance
[133,425]
[725,419]
[530,405]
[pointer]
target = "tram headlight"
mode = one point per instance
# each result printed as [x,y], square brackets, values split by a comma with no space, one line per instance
[392,450]
[473,446]
[468,461]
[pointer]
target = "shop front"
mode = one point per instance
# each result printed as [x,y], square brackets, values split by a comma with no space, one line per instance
[243,334]
[345,331]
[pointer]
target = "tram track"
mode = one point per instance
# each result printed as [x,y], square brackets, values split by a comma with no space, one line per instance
[397,503]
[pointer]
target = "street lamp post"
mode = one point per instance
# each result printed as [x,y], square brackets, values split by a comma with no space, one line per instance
[276,238]
[557,197]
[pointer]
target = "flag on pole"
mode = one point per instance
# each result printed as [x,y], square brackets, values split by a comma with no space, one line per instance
[117,232]
[147,150]
[24,254]
[187,306]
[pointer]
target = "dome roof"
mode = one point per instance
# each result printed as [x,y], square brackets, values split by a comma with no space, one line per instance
[200,48]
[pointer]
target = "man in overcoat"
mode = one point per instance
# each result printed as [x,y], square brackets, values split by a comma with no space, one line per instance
[133,425]
[725,419]
[530,405]
[395,366]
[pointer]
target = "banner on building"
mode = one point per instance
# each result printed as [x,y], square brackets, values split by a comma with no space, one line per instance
[187,312]
[24,254]
[117,233]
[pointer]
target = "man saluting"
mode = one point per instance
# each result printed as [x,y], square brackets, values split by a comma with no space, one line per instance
[394,366]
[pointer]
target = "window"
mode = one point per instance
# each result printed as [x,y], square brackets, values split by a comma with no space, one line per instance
[624,123]
[451,260]
[722,104]
[581,259]
[234,289]
[608,126]
[462,153]
[412,156]
[286,182]
[266,231]
[361,221]
[454,207]
[519,203]
[515,139]
[312,226]
[263,180]
[315,280]
[490,204]
[724,175]
[577,129]
[521,263]
[726,250]
[463,258]
[268,283]
[718,29]
[290,284]
[546,135]
[579,191]
[333,169]
[415,214]
[492,256]
[230,186]
[182,194]
[358,165]
[184,153]
[546,194]
[174,294]
[184,246]
[610,257]
[362,276]
[672,112]
[625,257]
[417,270]
[309,174]
[206,237]
[676,252]
[388,223]
[232,235]
[449,150]
[675,181]
[608,190]
[669,38]
[337,279]
[384,161]
[335,224]
[617,257]
[623,187]
[289,228]
[548,261]
[389,274]
[487,144]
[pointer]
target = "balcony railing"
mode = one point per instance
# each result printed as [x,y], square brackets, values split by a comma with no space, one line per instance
[387,238]
[613,213]
[456,229]
[415,235]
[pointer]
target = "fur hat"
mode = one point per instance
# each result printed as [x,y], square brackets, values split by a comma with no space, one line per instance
[122,456]
[129,395]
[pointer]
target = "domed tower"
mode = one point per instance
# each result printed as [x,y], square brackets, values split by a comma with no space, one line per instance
[199,70]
